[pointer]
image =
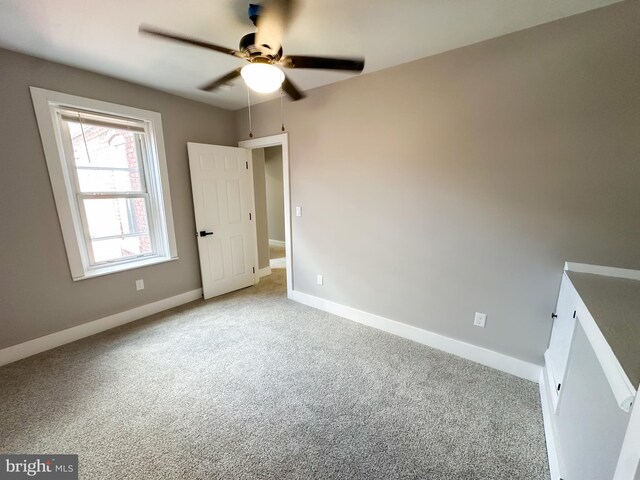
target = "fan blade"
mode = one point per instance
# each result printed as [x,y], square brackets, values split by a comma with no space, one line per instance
[291,90]
[273,21]
[221,81]
[188,40]
[301,61]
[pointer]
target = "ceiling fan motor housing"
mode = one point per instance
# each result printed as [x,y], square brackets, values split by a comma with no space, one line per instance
[248,46]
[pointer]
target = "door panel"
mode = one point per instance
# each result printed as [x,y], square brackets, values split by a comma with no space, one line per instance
[234,204]
[216,259]
[222,186]
[562,333]
[210,211]
[237,255]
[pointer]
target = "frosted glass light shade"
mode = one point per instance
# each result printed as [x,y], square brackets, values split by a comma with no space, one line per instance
[262,77]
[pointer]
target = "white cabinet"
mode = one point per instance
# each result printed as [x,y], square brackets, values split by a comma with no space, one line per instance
[592,367]
[557,355]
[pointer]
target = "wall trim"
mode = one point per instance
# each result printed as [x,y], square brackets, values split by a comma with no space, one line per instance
[263,272]
[601,270]
[57,339]
[277,243]
[555,469]
[481,355]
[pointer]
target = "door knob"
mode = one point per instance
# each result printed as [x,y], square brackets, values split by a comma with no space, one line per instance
[204,233]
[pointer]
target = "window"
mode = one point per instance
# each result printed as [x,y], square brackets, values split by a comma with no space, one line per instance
[108,172]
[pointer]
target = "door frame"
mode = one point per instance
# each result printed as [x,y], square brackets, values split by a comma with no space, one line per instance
[281,139]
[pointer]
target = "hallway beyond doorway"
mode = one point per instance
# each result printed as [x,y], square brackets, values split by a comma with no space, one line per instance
[277,257]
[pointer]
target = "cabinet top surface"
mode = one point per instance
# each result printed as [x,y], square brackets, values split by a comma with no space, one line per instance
[614,304]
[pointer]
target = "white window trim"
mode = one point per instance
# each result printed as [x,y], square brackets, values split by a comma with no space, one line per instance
[45,103]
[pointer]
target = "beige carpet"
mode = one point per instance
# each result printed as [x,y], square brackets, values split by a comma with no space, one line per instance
[253,386]
[276,252]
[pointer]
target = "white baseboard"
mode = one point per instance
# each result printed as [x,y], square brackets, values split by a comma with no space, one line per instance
[263,272]
[481,355]
[555,469]
[276,243]
[53,340]
[278,263]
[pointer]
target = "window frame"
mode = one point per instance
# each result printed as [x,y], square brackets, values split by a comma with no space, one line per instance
[62,173]
[155,232]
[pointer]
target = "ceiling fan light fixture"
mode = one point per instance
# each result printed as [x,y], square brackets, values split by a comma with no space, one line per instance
[262,77]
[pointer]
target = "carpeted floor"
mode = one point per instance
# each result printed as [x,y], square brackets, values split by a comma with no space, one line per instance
[253,386]
[276,252]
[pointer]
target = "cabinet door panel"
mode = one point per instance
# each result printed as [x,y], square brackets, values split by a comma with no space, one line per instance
[562,333]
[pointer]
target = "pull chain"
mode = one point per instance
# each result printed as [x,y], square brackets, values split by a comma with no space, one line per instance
[249,108]
[281,108]
[84,139]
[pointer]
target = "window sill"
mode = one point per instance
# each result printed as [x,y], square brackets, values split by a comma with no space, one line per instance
[123,267]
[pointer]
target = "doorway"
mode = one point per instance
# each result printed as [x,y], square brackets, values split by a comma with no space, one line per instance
[270,159]
[275,206]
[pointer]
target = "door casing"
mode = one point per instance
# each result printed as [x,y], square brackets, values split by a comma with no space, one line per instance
[272,141]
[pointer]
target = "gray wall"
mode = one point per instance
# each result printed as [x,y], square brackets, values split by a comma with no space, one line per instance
[462,182]
[37,295]
[259,188]
[275,192]
[589,424]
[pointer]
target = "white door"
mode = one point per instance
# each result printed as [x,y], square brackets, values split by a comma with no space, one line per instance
[222,184]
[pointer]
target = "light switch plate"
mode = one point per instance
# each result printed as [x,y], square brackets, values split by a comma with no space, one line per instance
[320,280]
[298,211]
[139,285]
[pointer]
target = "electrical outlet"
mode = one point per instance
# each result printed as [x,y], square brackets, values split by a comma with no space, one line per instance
[298,211]
[320,280]
[480,319]
[139,284]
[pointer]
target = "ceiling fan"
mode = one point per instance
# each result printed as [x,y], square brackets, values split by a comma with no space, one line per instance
[263,51]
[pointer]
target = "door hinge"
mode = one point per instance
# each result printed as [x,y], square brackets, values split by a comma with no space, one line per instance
[254,269]
[559,386]
[247,165]
[249,215]
[574,314]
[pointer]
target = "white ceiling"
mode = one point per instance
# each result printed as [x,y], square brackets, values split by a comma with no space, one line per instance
[102,35]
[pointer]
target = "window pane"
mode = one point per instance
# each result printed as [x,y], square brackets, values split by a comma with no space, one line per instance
[121,248]
[106,148]
[109,180]
[109,217]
